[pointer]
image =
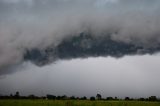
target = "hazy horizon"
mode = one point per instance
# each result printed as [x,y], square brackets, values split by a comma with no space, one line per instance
[133,76]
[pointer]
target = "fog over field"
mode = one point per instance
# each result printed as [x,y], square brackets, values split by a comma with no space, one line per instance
[80,47]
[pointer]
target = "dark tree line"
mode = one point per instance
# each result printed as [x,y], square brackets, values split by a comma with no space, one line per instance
[64,97]
[18,96]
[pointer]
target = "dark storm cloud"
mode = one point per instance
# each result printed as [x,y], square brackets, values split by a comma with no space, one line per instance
[84,46]
[44,31]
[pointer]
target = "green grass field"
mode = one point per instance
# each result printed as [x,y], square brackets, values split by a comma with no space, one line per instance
[74,103]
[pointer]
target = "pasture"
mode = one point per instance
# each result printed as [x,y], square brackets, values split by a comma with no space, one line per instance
[74,103]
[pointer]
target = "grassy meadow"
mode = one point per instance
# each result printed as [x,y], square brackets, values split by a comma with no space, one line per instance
[74,103]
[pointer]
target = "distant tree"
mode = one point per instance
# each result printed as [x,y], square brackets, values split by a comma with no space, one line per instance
[72,97]
[141,99]
[58,97]
[64,97]
[11,95]
[98,96]
[92,98]
[116,98]
[77,98]
[127,98]
[109,98]
[51,97]
[153,98]
[42,97]
[17,95]
[31,96]
[84,98]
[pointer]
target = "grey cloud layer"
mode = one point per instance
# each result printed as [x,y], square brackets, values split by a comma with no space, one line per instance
[30,25]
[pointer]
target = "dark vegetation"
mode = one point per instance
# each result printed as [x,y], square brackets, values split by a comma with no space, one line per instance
[64,97]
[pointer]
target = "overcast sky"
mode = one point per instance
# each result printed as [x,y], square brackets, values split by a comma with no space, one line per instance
[26,25]
[134,76]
